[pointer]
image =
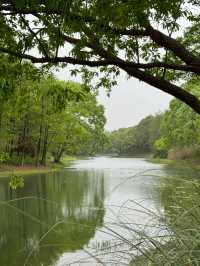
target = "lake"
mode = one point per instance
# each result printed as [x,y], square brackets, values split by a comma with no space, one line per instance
[97,211]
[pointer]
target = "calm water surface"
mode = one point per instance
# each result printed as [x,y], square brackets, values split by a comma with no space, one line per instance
[80,215]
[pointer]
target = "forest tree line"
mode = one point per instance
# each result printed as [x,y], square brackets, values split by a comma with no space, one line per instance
[174,134]
[42,117]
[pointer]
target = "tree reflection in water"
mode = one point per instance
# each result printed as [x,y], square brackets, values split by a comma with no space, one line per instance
[68,204]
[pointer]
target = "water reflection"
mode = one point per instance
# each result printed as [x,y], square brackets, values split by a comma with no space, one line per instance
[89,207]
[60,212]
[128,188]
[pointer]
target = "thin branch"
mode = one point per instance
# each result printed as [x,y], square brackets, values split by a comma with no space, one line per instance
[98,49]
[65,59]
[35,35]
[13,10]
[173,45]
[164,70]
[121,63]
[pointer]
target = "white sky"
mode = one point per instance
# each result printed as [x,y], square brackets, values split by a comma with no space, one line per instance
[129,102]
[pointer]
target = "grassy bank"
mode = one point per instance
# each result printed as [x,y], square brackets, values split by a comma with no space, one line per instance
[7,170]
[192,162]
[159,161]
[24,170]
[179,198]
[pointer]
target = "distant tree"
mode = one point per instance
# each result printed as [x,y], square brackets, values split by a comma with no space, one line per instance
[138,139]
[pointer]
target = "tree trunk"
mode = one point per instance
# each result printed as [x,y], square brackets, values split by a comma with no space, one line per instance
[38,147]
[23,142]
[39,143]
[57,156]
[45,145]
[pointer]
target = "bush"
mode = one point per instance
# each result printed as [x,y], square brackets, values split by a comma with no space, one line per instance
[184,153]
[16,181]
[160,148]
[4,157]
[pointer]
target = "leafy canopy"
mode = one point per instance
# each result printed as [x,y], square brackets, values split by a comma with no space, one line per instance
[42,116]
[154,41]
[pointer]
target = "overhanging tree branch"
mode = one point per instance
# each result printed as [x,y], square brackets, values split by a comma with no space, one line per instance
[159,83]
[109,36]
[167,87]
[121,63]
[171,44]
[158,37]
[180,67]
[65,59]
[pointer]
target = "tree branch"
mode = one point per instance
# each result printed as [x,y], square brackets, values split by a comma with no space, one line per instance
[65,59]
[161,84]
[13,10]
[167,87]
[94,44]
[35,35]
[117,62]
[171,44]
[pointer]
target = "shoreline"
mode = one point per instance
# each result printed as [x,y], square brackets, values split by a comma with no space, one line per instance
[192,162]
[7,170]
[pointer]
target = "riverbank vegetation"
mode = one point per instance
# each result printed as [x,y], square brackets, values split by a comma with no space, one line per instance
[43,118]
[173,134]
[177,242]
[8,169]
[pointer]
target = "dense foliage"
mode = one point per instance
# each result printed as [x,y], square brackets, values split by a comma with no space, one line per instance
[180,128]
[135,140]
[154,41]
[173,134]
[43,116]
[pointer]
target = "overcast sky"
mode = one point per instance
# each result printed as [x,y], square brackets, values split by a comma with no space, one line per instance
[129,102]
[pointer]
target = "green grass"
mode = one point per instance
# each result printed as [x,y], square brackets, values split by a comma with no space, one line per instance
[180,200]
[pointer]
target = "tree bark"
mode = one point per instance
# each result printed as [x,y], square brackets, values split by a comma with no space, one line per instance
[58,154]
[45,145]
[39,143]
